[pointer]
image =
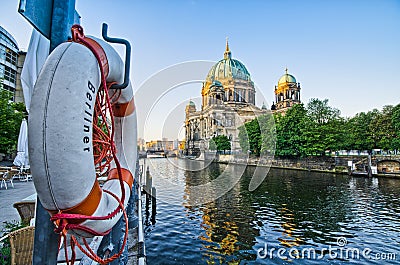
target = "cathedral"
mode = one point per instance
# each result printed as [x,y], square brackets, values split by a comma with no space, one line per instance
[228,101]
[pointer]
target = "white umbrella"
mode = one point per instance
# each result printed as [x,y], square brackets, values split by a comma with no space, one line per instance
[22,158]
[38,51]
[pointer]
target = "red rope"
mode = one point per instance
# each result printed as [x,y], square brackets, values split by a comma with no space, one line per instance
[87,250]
[104,152]
[101,134]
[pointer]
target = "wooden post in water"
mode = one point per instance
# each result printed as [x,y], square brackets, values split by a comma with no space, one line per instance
[141,246]
[153,205]
[150,192]
[147,192]
[149,182]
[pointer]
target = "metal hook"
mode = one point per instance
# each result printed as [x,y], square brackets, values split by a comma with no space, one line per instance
[127,56]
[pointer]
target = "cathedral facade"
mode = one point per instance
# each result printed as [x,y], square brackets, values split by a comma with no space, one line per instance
[228,101]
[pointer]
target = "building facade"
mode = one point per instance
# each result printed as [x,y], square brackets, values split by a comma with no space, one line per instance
[11,62]
[160,145]
[228,101]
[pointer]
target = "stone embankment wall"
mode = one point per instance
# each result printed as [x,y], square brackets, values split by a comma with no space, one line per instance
[323,163]
[387,165]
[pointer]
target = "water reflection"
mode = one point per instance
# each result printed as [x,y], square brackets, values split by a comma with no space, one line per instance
[291,209]
[223,220]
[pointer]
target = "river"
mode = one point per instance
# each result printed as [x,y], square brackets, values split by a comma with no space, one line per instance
[293,217]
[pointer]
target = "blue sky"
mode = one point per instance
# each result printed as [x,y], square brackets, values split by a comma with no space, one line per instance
[346,51]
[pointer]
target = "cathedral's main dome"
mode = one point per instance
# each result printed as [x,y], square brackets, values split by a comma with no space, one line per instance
[228,68]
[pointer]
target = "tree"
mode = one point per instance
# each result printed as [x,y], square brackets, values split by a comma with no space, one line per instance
[220,143]
[212,145]
[323,128]
[319,128]
[244,138]
[250,137]
[382,128]
[258,135]
[320,112]
[360,134]
[396,127]
[290,140]
[11,115]
[268,133]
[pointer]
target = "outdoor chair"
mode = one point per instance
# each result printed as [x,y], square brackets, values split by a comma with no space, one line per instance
[14,173]
[26,210]
[21,244]
[9,177]
[25,173]
[6,176]
[2,179]
[3,173]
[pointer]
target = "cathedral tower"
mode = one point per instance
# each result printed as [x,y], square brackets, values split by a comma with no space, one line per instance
[287,93]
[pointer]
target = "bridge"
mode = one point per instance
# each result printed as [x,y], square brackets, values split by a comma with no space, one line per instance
[387,164]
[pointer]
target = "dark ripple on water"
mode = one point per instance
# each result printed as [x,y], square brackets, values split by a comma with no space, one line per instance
[290,210]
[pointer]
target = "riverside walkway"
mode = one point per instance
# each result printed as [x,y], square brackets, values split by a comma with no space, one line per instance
[21,190]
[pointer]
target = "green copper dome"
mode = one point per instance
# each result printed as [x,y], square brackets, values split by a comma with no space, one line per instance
[286,78]
[228,68]
[191,103]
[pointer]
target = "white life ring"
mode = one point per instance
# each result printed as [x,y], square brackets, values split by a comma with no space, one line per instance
[60,135]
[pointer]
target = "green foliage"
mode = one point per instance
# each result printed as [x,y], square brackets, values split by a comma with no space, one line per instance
[11,115]
[382,129]
[322,128]
[244,138]
[318,129]
[5,254]
[396,127]
[258,135]
[289,132]
[5,248]
[250,137]
[268,133]
[320,112]
[375,129]
[220,143]
[212,145]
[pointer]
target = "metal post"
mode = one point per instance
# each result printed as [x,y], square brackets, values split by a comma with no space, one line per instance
[153,205]
[112,243]
[46,241]
[132,209]
[62,20]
